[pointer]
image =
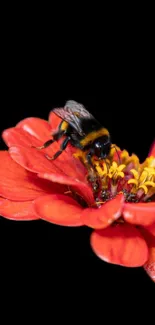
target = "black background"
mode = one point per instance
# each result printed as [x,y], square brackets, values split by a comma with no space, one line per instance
[117,86]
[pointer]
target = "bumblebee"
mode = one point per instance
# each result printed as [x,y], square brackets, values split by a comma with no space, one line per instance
[81,130]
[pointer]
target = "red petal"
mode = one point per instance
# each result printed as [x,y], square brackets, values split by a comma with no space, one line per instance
[28,132]
[17,136]
[36,127]
[152,150]
[58,209]
[121,244]
[102,217]
[32,160]
[34,132]
[16,183]
[20,137]
[150,264]
[151,229]
[81,188]
[35,161]
[17,210]
[149,267]
[139,213]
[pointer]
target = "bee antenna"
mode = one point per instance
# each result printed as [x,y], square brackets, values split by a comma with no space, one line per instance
[117,154]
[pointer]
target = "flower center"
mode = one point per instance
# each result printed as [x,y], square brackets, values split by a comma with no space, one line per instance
[111,176]
[143,182]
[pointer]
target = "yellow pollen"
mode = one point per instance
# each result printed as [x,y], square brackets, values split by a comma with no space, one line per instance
[115,171]
[152,163]
[149,162]
[149,183]
[135,173]
[144,188]
[140,176]
[113,149]
[144,179]
[101,168]
[126,159]
[133,181]
[105,168]
[150,170]
[100,171]
[124,155]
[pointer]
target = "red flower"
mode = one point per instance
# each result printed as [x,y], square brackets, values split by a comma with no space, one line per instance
[116,200]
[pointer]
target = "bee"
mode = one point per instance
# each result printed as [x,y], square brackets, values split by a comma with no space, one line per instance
[81,130]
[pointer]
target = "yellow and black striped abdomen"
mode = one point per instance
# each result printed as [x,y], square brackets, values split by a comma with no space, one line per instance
[92,136]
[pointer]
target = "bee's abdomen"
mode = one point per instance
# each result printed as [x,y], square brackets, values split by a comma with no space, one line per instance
[90,137]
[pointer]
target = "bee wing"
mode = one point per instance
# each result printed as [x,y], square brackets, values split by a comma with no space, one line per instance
[72,113]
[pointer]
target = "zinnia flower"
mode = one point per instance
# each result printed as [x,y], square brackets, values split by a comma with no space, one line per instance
[116,198]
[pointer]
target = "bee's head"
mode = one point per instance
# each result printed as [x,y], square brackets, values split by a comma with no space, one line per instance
[102,147]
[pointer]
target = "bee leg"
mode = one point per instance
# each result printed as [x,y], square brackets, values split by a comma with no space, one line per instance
[62,147]
[56,137]
[45,145]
